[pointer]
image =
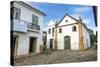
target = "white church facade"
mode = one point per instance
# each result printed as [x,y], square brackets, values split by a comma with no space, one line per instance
[68,33]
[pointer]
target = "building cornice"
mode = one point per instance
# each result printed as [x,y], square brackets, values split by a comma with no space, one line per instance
[30,7]
[67,25]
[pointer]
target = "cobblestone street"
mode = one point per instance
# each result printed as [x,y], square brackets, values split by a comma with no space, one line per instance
[61,56]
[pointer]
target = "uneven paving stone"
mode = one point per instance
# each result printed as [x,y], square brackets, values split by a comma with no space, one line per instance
[61,56]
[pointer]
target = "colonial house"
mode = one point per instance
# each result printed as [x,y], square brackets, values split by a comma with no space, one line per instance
[26,29]
[68,33]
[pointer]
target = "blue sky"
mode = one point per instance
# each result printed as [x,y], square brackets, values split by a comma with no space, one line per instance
[57,11]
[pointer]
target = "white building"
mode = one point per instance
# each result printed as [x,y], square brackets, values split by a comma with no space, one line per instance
[26,29]
[68,33]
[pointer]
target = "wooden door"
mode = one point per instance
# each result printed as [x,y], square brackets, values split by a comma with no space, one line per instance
[32,44]
[51,43]
[67,42]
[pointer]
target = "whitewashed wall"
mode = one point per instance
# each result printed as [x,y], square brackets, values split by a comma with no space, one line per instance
[86,38]
[23,43]
[23,46]
[75,38]
[26,14]
[49,36]
[67,31]
[39,40]
[51,24]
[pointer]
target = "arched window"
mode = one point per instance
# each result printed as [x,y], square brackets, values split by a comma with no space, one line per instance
[52,30]
[74,28]
[60,30]
[49,31]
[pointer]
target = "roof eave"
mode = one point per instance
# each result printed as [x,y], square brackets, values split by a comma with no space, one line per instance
[67,15]
[40,12]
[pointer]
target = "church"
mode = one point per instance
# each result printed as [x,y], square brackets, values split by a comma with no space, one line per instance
[68,33]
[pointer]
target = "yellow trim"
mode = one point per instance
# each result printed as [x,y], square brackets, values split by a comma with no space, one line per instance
[56,44]
[81,45]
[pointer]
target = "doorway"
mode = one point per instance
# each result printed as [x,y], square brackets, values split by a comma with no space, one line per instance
[33,42]
[67,42]
[51,43]
[14,45]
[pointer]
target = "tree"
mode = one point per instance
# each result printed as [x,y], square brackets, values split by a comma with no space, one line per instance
[93,39]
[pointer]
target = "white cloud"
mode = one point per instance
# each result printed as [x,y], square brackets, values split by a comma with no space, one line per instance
[51,22]
[87,21]
[82,9]
[75,16]
[45,28]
